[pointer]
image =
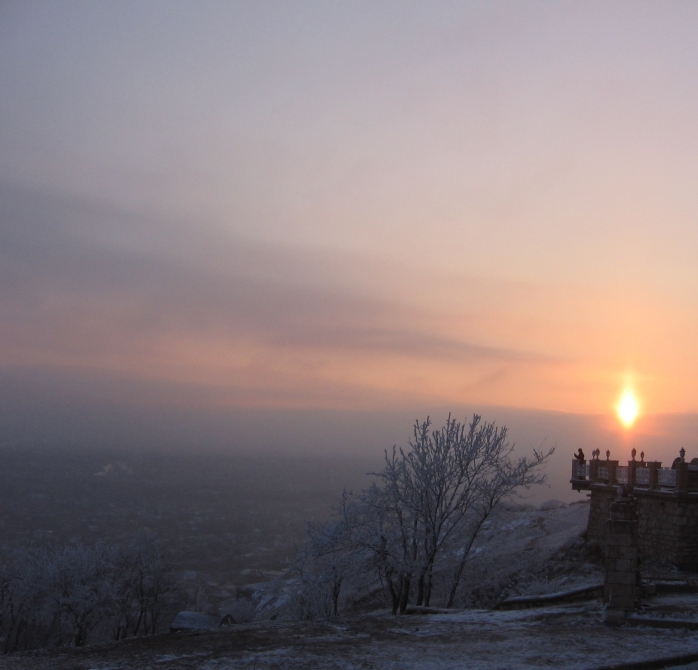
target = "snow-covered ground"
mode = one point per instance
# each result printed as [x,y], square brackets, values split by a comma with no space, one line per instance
[529,551]
[570,636]
[682,606]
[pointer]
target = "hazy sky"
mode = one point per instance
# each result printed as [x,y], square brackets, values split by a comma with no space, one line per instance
[350,206]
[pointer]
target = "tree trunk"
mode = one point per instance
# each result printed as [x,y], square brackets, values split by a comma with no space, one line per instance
[424,584]
[459,570]
[79,639]
[337,587]
[394,595]
[405,583]
[456,582]
[427,588]
[420,590]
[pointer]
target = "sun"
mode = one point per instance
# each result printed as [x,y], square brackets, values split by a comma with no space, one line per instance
[627,408]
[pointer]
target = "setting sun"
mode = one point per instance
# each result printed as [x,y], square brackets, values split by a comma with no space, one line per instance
[627,408]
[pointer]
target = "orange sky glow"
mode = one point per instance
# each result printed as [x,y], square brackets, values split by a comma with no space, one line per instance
[354,207]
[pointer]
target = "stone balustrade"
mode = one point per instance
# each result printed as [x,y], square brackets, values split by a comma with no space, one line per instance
[681,477]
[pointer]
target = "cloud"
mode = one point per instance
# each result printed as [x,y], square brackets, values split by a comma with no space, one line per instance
[89,289]
[407,343]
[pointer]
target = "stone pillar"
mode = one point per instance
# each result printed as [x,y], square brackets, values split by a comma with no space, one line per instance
[632,466]
[594,470]
[682,477]
[654,466]
[621,559]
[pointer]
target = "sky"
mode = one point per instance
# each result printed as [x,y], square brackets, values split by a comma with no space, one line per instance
[255,209]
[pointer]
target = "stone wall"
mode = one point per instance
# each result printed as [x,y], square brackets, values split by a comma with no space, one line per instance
[668,528]
[599,512]
[667,524]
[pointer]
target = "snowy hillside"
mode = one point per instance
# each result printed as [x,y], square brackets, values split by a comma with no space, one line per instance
[520,551]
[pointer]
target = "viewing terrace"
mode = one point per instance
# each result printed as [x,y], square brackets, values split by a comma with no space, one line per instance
[665,500]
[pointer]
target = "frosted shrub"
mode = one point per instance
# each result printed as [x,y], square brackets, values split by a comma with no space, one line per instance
[51,598]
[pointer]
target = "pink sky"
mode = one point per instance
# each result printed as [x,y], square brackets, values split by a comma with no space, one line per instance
[358,206]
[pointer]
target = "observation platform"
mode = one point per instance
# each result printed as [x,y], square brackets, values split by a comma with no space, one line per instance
[666,502]
[681,477]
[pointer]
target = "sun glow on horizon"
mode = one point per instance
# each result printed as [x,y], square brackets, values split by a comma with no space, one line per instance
[628,408]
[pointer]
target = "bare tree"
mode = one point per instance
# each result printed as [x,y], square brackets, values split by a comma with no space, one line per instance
[80,589]
[25,619]
[153,581]
[56,597]
[430,497]
[141,575]
[324,563]
[123,608]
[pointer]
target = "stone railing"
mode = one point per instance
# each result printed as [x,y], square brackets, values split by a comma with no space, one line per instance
[579,470]
[681,477]
[642,477]
[666,477]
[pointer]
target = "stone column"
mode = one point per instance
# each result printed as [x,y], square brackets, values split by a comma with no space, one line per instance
[594,470]
[632,466]
[682,477]
[654,466]
[621,559]
[611,467]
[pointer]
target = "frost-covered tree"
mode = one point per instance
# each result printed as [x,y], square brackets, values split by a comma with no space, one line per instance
[430,499]
[28,617]
[56,597]
[323,564]
[79,589]
[153,580]
[140,576]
